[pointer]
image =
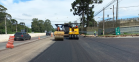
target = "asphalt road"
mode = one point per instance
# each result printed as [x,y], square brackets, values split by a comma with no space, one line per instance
[91,50]
[19,42]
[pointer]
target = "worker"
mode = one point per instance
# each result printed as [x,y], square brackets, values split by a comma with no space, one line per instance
[95,33]
[58,29]
[76,26]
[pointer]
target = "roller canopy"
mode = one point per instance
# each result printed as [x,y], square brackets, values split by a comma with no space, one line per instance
[67,24]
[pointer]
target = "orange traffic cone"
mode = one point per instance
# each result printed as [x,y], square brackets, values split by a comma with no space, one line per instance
[10,42]
[38,37]
[51,34]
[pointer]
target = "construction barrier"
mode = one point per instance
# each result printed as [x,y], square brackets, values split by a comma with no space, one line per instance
[10,42]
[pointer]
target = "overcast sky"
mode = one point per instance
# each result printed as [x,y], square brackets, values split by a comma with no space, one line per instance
[58,11]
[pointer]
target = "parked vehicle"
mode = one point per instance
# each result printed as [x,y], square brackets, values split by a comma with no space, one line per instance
[48,33]
[22,36]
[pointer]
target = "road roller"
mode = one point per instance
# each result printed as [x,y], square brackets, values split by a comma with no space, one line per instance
[59,34]
[74,32]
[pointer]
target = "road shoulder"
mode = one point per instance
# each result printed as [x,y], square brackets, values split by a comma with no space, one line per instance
[25,53]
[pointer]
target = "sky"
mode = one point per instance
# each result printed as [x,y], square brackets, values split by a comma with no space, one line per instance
[58,11]
[123,12]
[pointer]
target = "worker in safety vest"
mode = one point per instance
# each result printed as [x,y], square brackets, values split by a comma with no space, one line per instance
[76,26]
[95,33]
[58,29]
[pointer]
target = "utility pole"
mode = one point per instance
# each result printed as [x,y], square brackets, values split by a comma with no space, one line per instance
[16,26]
[24,27]
[117,12]
[113,16]
[5,26]
[103,21]
[83,21]
[94,23]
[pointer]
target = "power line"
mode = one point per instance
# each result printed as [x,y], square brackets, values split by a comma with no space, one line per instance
[114,4]
[129,6]
[105,7]
[125,7]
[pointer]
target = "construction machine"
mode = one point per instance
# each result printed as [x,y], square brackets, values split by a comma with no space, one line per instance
[67,31]
[74,32]
[59,34]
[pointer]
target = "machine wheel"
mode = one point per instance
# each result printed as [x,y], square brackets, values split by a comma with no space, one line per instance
[62,39]
[70,37]
[77,37]
[74,36]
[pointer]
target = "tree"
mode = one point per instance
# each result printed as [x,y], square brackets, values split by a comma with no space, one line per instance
[35,27]
[81,7]
[3,16]
[22,24]
[13,25]
[41,26]
[48,25]
[10,23]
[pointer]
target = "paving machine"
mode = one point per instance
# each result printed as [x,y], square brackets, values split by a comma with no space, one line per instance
[74,31]
[66,29]
[59,34]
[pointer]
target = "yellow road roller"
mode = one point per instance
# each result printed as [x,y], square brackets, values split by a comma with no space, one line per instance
[74,32]
[59,34]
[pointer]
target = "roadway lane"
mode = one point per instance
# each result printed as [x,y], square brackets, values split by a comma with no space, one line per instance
[91,50]
[19,42]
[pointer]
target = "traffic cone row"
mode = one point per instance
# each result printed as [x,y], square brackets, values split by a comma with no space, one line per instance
[10,42]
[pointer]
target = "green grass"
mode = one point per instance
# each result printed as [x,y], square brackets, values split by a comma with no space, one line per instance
[107,35]
[87,34]
[117,35]
[131,34]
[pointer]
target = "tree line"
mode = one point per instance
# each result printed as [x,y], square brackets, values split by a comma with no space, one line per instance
[13,26]
[41,26]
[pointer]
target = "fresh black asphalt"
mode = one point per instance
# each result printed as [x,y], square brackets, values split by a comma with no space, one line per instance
[91,50]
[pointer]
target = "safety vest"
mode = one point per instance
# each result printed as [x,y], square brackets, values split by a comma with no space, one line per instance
[94,31]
